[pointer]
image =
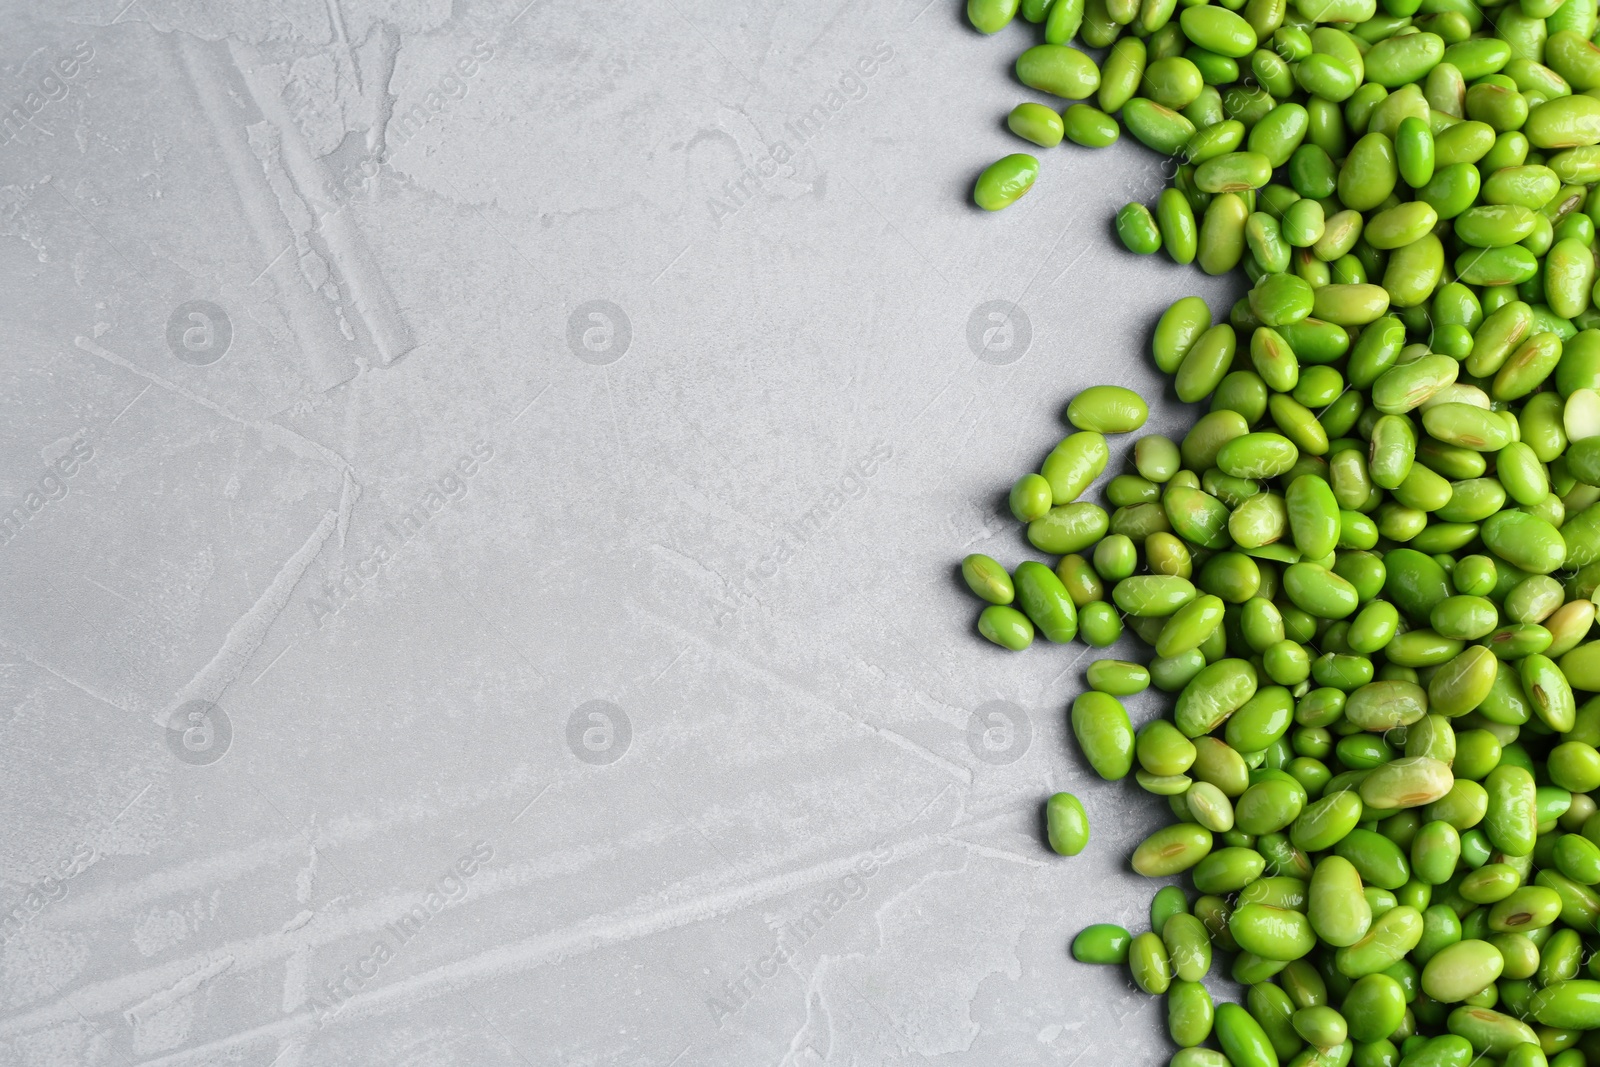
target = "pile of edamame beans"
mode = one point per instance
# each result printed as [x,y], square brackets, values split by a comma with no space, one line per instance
[1368,572]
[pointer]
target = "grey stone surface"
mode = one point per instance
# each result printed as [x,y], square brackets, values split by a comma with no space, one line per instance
[487,482]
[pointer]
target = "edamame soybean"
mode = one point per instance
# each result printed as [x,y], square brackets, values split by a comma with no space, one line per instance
[1068,824]
[1367,574]
[1005,181]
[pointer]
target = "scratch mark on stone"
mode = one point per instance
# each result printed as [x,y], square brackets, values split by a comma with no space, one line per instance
[931,803]
[215,85]
[668,667]
[125,704]
[960,773]
[204,874]
[177,991]
[530,403]
[531,803]
[108,589]
[645,918]
[955,770]
[942,390]
[274,433]
[1064,231]
[1073,262]
[131,803]
[336,19]
[611,404]
[669,266]
[680,554]
[247,633]
[388,53]
[996,853]
[250,629]
[274,263]
[130,404]
[269,666]
[374,304]
[137,273]
[135,669]
[298,921]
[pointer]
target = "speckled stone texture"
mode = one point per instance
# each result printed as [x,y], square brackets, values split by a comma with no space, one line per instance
[483,491]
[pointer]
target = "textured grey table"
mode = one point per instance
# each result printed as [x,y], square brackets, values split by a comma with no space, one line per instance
[483,488]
